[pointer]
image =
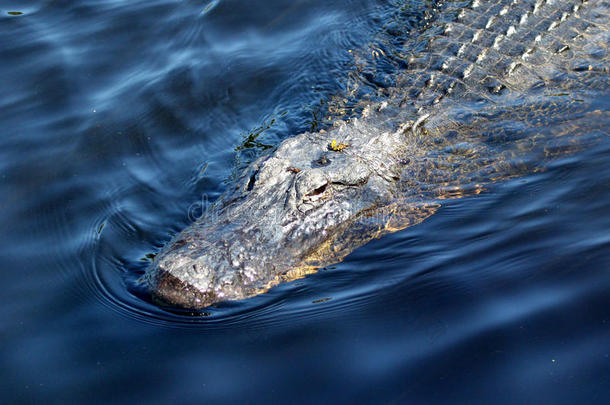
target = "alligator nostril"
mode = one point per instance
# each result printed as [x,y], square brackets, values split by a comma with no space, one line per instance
[321,161]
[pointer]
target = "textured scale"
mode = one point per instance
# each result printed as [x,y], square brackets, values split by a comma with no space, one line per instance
[516,47]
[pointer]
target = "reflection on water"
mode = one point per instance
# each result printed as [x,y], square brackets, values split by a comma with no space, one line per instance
[117,117]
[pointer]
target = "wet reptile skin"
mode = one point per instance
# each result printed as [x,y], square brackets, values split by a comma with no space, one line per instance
[494,90]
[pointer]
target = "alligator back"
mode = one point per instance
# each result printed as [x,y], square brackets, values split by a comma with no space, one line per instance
[497,47]
[499,89]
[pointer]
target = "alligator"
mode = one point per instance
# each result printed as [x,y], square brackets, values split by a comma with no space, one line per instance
[490,91]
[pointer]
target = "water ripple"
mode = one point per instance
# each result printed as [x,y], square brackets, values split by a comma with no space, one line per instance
[122,120]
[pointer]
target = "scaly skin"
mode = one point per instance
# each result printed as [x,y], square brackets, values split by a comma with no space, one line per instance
[495,90]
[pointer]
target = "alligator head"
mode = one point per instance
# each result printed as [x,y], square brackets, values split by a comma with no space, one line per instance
[307,205]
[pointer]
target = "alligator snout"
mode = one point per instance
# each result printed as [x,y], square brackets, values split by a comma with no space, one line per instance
[192,273]
[172,290]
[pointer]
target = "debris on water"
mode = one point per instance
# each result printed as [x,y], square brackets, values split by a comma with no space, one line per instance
[149,257]
[203,169]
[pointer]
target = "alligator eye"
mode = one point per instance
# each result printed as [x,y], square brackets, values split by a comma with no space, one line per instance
[318,190]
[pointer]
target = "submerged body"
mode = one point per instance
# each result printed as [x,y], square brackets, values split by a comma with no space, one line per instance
[493,91]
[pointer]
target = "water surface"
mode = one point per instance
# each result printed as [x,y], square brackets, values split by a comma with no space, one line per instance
[121,121]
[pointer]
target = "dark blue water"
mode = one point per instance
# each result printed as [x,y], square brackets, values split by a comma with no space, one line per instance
[120,120]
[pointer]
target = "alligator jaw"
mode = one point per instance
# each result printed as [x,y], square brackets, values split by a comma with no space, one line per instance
[180,293]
